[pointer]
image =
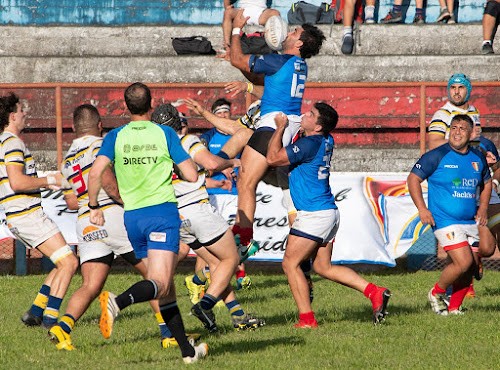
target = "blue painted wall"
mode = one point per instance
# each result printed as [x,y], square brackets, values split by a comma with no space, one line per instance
[128,12]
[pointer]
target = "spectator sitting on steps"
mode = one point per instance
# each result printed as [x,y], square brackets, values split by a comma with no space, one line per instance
[491,19]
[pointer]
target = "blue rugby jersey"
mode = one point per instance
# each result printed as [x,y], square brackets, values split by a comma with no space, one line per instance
[310,172]
[453,179]
[284,81]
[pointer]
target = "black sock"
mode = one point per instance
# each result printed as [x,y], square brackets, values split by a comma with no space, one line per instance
[143,291]
[172,317]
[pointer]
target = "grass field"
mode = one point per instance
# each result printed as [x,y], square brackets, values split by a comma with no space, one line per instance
[412,336]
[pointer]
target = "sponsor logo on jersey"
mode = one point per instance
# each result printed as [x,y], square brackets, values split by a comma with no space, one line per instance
[127,148]
[419,166]
[456,181]
[295,149]
[139,128]
[93,233]
[140,160]
[299,66]
[463,194]
[475,165]
[450,166]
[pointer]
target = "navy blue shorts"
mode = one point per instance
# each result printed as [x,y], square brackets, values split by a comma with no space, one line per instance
[155,227]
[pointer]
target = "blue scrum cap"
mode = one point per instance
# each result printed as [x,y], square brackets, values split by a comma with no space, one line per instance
[460,78]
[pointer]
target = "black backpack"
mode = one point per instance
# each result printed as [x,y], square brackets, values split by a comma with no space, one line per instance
[192,45]
[302,12]
[255,43]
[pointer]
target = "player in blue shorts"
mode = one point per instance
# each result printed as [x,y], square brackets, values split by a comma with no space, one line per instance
[317,221]
[144,154]
[454,173]
[284,82]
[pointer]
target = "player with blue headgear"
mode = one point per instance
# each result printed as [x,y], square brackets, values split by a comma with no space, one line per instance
[458,90]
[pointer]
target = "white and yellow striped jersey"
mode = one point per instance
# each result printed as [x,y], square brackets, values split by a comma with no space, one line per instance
[13,152]
[440,122]
[252,116]
[76,167]
[190,192]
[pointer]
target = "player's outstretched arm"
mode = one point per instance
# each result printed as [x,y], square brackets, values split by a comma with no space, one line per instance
[19,182]
[226,125]
[418,198]
[213,162]
[237,87]
[238,59]
[276,154]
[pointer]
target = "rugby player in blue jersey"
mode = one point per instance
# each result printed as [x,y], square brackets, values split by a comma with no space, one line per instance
[454,172]
[317,222]
[284,82]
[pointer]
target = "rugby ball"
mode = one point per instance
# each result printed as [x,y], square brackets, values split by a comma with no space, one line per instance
[275,32]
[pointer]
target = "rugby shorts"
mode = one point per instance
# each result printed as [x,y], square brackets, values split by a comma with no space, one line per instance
[154,227]
[457,236]
[254,13]
[202,223]
[99,241]
[292,128]
[319,226]
[33,228]
[226,205]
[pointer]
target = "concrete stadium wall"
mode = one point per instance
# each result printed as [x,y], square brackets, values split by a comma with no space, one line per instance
[169,12]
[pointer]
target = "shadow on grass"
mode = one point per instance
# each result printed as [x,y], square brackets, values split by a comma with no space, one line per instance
[254,345]
[125,315]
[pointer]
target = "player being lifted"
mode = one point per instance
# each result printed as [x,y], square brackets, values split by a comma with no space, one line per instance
[284,82]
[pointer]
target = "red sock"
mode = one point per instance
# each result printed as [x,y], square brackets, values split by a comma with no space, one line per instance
[240,273]
[307,317]
[457,296]
[369,290]
[438,290]
[246,233]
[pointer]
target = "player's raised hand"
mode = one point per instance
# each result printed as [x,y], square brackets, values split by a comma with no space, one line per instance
[235,87]
[240,21]
[281,120]
[194,106]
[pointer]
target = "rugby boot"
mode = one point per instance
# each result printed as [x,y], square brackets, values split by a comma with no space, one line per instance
[109,312]
[379,303]
[247,322]
[29,319]
[172,342]
[60,338]
[438,303]
[206,317]
[200,352]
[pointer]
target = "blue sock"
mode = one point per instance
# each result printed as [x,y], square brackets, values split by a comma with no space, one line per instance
[40,301]
[52,311]
[234,308]
[208,302]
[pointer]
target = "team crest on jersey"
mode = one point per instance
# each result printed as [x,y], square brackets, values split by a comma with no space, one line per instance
[475,165]
[295,149]
[451,235]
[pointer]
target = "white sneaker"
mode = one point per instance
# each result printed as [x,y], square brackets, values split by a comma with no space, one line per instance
[438,303]
[200,351]
[109,311]
[455,312]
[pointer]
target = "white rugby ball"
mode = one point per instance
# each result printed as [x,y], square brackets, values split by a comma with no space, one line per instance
[275,32]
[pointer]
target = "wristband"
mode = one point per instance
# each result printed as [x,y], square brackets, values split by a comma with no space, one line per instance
[236,31]
[249,87]
[497,184]
[97,206]
[51,180]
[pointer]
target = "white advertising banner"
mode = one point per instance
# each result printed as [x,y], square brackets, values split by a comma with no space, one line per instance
[377,219]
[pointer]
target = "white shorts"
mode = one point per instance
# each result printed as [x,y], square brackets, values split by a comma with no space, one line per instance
[293,127]
[33,228]
[99,241]
[226,205]
[320,226]
[254,14]
[201,222]
[457,236]
[288,202]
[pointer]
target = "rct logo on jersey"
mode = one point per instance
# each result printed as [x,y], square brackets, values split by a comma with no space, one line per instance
[158,237]
[456,181]
[476,166]
[295,149]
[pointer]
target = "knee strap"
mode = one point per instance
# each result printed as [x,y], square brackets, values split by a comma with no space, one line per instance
[60,254]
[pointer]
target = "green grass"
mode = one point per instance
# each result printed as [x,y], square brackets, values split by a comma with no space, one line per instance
[412,336]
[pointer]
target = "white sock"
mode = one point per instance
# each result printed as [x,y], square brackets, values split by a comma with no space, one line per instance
[369,11]
[347,30]
[486,42]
